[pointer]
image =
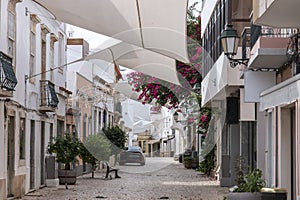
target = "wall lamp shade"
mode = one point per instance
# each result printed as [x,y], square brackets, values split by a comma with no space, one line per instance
[230,41]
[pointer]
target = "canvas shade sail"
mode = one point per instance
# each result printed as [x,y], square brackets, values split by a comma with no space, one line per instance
[124,88]
[138,59]
[157,25]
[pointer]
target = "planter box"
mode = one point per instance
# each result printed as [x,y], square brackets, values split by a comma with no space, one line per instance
[188,164]
[67,176]
[244,196]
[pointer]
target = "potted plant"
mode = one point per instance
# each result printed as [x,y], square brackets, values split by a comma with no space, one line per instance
[66,148]
[188,162]
[249,187]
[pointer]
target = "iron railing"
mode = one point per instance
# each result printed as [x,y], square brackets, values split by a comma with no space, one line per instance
[8,78]
[264,31]
[48,94]
[245,41]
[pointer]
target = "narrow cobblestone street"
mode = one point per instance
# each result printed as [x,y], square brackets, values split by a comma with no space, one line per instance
[160,178]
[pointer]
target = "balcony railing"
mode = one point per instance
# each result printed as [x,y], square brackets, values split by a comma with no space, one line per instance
[263,31]
[246,35]
[8,80]
[49,99]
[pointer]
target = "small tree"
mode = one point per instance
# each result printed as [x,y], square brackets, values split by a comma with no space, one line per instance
[117,137]
[66,148]
[98,146]
[86,156]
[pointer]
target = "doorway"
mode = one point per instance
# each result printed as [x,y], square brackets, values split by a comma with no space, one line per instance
[42,153]
[32,156]
[10,156]
[287,162]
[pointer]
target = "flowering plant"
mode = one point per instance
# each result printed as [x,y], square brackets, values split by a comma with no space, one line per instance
[204,120]
[151,88]
[167,94]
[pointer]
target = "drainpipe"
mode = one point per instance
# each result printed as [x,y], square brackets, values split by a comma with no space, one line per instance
[25,99]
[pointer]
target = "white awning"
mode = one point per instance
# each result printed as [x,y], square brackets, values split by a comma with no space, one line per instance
[157,25]
[281,94]
[138,59]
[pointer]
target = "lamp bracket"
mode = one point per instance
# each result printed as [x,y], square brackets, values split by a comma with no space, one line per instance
[235,62]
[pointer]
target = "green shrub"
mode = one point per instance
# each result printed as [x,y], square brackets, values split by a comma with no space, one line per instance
[253,182]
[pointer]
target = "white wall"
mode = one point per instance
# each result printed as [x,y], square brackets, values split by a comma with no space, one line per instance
[28,95]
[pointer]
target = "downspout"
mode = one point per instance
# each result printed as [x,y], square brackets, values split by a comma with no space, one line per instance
[25,99]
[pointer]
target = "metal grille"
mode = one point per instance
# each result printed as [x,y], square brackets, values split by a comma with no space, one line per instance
[8,78]
[48,94]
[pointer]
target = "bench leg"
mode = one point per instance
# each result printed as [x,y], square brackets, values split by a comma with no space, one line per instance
[116,174]
[109,171]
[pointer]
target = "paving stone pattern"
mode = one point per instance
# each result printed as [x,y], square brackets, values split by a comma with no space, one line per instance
[172,182]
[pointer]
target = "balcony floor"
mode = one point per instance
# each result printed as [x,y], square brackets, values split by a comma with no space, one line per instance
[281,14]
[268,58]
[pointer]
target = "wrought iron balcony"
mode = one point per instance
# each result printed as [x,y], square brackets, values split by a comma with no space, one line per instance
[49,99]
[246,35]
[8,80]
[268,47]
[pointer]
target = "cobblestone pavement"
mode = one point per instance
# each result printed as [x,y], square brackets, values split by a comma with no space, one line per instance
[172,181]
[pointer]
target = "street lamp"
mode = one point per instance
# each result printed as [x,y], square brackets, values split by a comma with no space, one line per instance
[230,42]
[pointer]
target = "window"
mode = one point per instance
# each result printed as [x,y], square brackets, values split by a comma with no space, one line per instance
[84,127]
[52,67]
[32,66]
[11,30]
[51,132]
[22,139]
[60,127]
[51,64]
[61,49]
[99,121]
[211,37]
[11,33]
[95,122]
[90,126]
[45,30]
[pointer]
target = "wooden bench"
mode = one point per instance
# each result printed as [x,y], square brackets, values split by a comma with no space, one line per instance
[109,170]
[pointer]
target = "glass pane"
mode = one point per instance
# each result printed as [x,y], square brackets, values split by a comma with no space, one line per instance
[10,48]
[231,45]
[32,43]
[22,138]
[51,64]
[11,25]
[32,65]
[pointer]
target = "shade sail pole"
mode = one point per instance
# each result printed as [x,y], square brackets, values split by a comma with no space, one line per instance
[140,22]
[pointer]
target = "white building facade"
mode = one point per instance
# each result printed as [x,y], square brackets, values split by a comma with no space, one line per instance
[33,94]
[222,89]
